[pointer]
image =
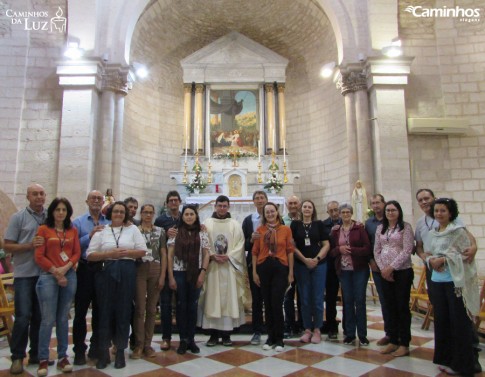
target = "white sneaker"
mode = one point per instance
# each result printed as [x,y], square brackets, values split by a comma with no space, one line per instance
[279,348]
[267,347]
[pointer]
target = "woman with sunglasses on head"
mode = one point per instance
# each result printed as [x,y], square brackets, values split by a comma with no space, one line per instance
[455,287]
[150,279]
[188,259]
[394,244]
[273,271]
[116,248]
[57,283]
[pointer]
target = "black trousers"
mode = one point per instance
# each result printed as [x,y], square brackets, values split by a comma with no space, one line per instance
[85,296]
[274,280]
[257,303]
[453,330]
[331,294]
[115,292]
[396,295]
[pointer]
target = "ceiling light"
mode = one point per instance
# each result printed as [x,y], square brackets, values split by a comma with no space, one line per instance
[393,50]
[327,70]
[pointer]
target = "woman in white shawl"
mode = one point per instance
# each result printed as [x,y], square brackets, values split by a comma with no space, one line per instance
[455,290]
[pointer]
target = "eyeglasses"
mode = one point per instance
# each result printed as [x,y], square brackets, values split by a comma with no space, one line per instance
[147,213]
[173,200]
[390,210]
[119,211]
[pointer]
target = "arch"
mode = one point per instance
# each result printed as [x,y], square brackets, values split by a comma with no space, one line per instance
[127,14]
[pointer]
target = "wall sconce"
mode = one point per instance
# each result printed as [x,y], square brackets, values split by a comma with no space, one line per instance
[327,70]
[139,70]
[73,51]
[393,50]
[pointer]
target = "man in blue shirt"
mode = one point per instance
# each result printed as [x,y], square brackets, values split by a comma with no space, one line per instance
[87,225]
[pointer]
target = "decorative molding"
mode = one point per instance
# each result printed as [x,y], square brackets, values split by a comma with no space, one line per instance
[199,88]
[281,87]
[116,80]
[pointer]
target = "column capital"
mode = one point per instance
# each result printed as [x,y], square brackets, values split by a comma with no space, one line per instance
[199,88]
[116,79]
[187,88]
[350,81]
[281,87]
[269,88]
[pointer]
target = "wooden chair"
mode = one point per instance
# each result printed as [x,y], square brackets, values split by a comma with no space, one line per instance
[7,309]
[420,304]
[373,289]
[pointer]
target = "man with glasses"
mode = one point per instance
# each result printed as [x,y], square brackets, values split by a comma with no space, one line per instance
[223,294]
[168,221]
[87,225]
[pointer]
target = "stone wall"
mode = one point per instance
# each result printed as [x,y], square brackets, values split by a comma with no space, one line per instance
[448,80]
[30,102]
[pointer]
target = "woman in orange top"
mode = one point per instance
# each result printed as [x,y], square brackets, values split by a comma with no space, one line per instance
[57,282]
[273,271]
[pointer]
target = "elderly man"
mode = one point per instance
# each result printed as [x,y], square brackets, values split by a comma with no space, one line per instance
[20,241]
[87,225]
[223,297]
[292,327]
[249,226]
[330,325]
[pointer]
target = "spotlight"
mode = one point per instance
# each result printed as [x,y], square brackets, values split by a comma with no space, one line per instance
[140,70]
[73,51]
[327,70]
[393,50]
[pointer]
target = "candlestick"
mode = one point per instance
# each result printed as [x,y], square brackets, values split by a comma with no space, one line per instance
[284,151]
[260,177]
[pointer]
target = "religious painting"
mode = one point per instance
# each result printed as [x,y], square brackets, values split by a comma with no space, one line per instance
[234,121]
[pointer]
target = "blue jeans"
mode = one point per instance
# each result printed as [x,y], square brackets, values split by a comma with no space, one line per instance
[311,287]
[55,302]
[187,302]
[354,287]
[27,318]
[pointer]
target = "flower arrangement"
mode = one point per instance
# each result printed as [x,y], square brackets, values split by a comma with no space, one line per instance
[236,154]
[198,183]
[274,183]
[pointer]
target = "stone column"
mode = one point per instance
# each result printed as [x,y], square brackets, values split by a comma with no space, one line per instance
[77,152]
[386,81]
[270,117]
[187,117]
[199,118]
[282,114]
[353,85]
[108,167]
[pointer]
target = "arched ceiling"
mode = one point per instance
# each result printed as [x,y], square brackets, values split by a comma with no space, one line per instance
[170,30]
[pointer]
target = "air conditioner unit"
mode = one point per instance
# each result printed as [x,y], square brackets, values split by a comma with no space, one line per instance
[437,126]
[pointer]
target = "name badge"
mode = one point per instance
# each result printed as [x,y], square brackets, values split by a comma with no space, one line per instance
[64,256]
[307,242]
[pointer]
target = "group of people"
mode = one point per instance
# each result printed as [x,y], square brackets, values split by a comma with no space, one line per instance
[123,267]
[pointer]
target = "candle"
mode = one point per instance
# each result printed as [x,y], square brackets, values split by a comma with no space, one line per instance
[284,150]
[259,150]
[274,140]
[186,147]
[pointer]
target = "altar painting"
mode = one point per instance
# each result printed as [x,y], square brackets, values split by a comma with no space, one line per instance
[234,122]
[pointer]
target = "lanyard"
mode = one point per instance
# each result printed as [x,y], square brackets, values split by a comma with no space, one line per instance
[430,227]
[389,233]
[306,229]
[117,240]
[63,240]
[37,221]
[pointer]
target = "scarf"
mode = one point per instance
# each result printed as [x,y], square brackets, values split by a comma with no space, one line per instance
[270,238]
[450,243]
[187,250]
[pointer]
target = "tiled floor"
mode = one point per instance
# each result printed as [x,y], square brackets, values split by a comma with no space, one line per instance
[330,358]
